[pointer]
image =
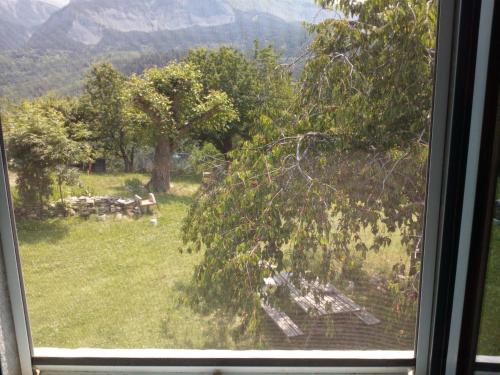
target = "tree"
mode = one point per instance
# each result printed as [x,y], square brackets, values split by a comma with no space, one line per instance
[38,143]
[116,127]
[65,174]
[253,83]
[303,193]
[381,61]
[172,97]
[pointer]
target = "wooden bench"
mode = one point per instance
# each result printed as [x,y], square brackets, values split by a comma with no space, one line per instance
[283,321]
[145,203]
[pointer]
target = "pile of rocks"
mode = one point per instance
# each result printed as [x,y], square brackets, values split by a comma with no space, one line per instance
[99,205]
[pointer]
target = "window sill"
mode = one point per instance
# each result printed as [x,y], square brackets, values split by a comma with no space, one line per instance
[133,361]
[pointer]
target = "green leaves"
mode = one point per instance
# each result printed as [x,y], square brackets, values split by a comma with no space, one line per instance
[372,74]
[38,143]
[115,124]
[255,84]
[336,175]
[172,97]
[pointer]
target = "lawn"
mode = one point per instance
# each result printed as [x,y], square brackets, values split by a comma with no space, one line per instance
[120,283]
[115,283]
[489,336]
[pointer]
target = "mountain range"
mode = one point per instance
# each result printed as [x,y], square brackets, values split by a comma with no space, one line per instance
[48,44]
[151,24]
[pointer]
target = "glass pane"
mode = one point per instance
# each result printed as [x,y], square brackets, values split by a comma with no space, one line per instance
[219,174]
[489,335]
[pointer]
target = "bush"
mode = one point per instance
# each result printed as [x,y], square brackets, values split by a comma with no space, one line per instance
[38,145]
[81,189]
[135,186]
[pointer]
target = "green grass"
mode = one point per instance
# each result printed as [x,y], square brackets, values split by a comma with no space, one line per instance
[115,283]
[489,336]
[118,283]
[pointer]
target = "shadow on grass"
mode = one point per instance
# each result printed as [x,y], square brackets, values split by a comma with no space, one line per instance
[218,332]
[186,178]
[33,231]
[173,198]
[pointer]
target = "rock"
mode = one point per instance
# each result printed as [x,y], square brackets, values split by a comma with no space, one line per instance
[119,216]
[101,217]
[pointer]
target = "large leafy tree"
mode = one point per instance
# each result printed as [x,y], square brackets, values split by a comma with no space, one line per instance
[304,193]
[38,144]
[116,127]
[252,82]
[173,99]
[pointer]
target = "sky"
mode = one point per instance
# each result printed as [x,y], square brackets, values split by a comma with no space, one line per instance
[59,3]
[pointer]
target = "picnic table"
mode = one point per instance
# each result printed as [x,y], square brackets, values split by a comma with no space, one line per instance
[318,299]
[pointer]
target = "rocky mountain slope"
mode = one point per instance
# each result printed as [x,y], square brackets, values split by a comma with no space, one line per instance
[19,18]
[173,24]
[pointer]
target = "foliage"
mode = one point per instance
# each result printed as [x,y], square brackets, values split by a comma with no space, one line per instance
[371,76]
[172,97]
[29,73]
[66,175]
[352,159]
[37,143]
[135,186]
[115,124]
[251,83]
[205,158]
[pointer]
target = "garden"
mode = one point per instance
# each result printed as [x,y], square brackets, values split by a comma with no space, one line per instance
[122,283]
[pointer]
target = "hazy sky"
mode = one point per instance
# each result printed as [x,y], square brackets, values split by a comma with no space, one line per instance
[59,3]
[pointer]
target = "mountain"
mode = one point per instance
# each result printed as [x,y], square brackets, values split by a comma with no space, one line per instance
[174,24]
[19,18]
[49,44]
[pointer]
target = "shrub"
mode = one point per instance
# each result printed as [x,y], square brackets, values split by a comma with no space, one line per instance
[37,145]
[135,186]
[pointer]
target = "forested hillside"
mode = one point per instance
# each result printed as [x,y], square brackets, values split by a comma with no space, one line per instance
[31,73]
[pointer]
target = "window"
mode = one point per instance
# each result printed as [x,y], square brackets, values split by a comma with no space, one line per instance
[215,184]
[489,334]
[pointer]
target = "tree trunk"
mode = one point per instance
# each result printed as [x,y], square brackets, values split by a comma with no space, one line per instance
[227,144]
[131,158]
[128,161]
[160,176]
[128,165]
[128,158]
